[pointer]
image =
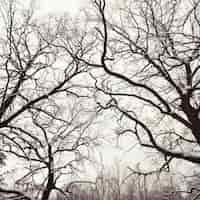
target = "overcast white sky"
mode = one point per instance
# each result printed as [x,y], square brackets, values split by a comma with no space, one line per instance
[51,6]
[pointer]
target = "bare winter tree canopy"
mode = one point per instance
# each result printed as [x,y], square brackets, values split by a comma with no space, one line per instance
[137,61]
[44,116]
[150,58]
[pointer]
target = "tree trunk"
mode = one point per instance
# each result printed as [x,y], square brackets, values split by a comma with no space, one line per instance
[50,182]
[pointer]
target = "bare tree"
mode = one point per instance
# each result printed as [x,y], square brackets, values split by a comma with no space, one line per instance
[147,68]
[45,116]
[111,184]
[143,61]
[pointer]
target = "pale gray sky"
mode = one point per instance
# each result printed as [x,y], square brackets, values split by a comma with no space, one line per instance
[51,6]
